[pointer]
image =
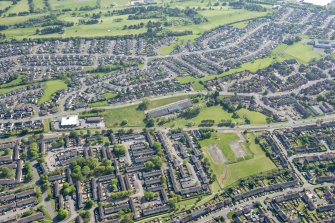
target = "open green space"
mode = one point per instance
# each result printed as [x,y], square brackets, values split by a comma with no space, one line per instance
[228,174]
[217,113]
[301,52]
[20,6]
[240,25]
[114,25]
[5,4]
[71,4]
[222,140]
[218,17]
[12,83]
[51,87]
[10,89]
[38,5]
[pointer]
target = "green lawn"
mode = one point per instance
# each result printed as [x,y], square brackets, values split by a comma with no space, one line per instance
[301,52]
[241,25]
[227,174]
[5,4]
[255,117]
[38,4]
[13,83]
[109,26]
[21,6]
[71,4]
[98,104]
[51,87]
[219,17]
[10,89]
[222,140]
[258,164]
[217,114]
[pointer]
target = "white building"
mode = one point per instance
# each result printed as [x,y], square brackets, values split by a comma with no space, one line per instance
[69,121]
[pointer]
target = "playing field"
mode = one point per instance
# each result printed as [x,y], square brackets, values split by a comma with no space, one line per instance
[222,140]
[258,164]
[227,174]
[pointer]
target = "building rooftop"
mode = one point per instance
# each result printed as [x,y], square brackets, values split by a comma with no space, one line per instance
[70,120]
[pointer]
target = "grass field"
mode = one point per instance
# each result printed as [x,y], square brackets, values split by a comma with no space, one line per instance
[241,25]
[229,173]
[219,17]
[21,6]
[51,87]
[255,117]
[258,164]
[108,26]
[301,52]
[217,114]
[5,4]
[71,4]
[38,4]
[222,140]
[10,89]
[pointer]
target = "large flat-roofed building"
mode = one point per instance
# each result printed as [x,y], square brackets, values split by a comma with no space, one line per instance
[170,109]
[324,44]
[69,121]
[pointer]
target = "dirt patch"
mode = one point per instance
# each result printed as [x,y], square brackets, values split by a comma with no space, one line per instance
[237,148]
[216,154]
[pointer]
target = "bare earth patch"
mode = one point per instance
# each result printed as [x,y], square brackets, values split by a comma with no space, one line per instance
[216,154]
[237,148]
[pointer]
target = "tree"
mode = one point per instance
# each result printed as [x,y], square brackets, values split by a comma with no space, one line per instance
[144,105]
[191,112]
[33,151]
[157,161]
[121,194]
[119,150]
[63,214]
[73,134]
[149,196]
[158,147]
[5,172]
[29,171]
[89,204]
[85,215]
[149,165]
[86,170]
[149,121]
[68,189]
[114,183]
